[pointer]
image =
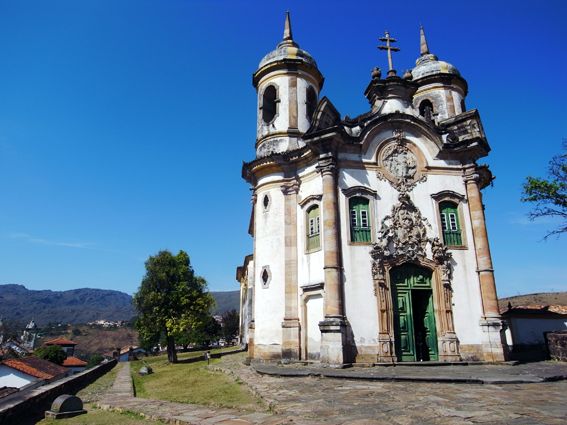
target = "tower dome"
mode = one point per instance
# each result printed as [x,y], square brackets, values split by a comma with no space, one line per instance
[441,89]
[287,49]
[288,83]
[428,64]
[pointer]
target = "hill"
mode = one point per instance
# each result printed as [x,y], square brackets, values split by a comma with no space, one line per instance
[545,298]
[226,301]
[19,304]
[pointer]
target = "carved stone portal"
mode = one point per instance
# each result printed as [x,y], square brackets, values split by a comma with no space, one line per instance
[403,238]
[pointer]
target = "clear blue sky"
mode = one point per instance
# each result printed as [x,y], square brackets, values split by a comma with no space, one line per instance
[124,124]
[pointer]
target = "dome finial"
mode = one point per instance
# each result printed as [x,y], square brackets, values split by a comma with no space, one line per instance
[287,28]
[423,47]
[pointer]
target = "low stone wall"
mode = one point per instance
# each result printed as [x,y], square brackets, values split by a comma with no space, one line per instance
[213,356]
[28,407]
[557,345]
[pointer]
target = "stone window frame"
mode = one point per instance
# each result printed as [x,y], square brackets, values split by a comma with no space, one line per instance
[458,200]
[265,208]
[309,88]
[372,196]
[266,284]
[277,101]
[306,204]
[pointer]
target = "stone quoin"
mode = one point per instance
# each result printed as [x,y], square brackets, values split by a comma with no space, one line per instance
[370,241]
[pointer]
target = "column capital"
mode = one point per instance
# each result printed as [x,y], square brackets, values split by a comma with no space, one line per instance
[290,187]
[327,164]
[471,174]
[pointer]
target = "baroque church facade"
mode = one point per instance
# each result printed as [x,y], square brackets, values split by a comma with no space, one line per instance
[370,242]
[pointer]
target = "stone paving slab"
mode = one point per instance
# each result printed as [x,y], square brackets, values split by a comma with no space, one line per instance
[312,400]
[465,374]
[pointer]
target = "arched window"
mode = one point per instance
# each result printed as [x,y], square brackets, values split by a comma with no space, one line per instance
[426,110]
[450,223]
[269,104]
[359,219]
[313,228]
[310,103]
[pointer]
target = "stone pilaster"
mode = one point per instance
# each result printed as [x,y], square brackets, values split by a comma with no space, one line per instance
[448,342]
[333,327]
[291,336]
[491,322]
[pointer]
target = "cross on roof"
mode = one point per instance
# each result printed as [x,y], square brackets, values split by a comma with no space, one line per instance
[390,49]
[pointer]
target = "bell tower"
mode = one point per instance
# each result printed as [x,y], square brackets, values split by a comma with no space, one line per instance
[288,83]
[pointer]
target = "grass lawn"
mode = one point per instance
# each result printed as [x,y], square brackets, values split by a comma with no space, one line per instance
[100,417]
[191,383]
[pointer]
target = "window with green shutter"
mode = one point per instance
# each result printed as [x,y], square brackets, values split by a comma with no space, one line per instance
[313,228]
[359,219]
[450,224]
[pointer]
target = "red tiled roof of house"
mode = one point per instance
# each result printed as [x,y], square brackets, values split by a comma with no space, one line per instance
[534,308]
[72,361]
[60,341]
[36,367]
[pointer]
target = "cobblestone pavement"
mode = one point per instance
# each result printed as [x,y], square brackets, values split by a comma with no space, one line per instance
[344,401]
[315,400]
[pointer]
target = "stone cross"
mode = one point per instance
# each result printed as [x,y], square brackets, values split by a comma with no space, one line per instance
[387,39]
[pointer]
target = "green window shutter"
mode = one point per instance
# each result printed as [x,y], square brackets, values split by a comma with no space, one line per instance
[313,228]
[451,227]
[359,219]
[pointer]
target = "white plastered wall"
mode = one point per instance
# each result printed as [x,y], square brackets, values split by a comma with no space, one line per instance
[269,240]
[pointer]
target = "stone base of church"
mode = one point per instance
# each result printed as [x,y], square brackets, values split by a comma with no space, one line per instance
[333,342]
[493,337]
[251,329]
[291,348]
[449,348]
[385,349]
[268,352]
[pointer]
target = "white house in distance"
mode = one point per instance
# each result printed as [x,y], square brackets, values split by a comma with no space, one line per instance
[29,372]
[370,243]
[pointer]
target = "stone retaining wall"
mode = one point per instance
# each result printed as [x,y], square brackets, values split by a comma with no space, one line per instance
[29,406]
[557,345]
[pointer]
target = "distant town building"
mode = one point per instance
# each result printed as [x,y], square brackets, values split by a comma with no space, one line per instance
[29,335]
[74,364]
[29,372]
[527,326]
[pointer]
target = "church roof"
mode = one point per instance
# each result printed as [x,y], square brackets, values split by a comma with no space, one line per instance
[287,49]
[428,64]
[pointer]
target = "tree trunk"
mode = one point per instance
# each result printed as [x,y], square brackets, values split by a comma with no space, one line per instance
[171,353]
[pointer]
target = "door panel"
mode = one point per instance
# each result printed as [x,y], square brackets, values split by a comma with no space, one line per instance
[404,324]
[431,331]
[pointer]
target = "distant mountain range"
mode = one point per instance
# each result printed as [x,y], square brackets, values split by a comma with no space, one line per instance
[17,303]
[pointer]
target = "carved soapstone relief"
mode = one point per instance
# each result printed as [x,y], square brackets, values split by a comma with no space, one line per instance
[400,164]
[403,237]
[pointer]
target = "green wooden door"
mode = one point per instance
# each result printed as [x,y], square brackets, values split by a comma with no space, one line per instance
[414,317]
[430,330]
[405,342]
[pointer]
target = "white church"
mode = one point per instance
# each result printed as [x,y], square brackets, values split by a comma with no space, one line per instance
[370,242]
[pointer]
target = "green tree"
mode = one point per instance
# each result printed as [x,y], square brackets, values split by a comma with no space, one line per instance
[53,353]
[94,360]
[230,324]
[208,331]
[171,300]
[550,194]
